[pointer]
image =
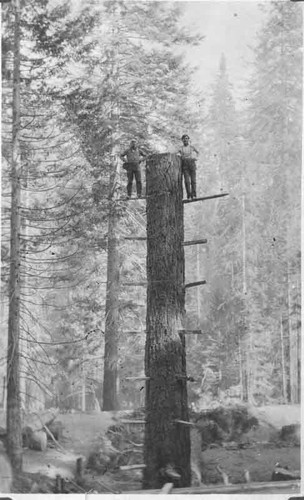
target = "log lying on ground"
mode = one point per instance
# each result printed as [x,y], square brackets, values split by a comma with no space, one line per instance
[33,432]
[36,421]
[290,487]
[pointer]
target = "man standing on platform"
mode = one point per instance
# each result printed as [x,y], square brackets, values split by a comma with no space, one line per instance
[134,157]
[188,155]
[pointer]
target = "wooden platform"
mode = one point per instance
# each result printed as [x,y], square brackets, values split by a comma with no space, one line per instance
[202,198]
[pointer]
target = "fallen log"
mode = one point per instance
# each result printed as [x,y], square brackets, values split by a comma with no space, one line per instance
[289,487]
[36,421]
[33,427]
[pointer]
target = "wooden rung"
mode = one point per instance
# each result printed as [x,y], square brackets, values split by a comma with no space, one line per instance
[186,377]
[184,422]
[206,198]
[190,332]
[134,332]
[137,378]
[196,283]
[135,283]
[132,467]
[184,332]
[129,199]
[195,242]
[133,422]
[135,238]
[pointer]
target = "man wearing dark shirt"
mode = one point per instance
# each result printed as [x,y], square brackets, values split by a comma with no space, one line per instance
[134,157]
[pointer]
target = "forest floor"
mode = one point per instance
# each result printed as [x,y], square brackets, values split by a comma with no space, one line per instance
[257,450]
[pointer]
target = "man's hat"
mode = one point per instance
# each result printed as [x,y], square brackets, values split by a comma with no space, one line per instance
[184,136]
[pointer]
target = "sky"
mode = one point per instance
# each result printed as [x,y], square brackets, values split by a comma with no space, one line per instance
[229,27]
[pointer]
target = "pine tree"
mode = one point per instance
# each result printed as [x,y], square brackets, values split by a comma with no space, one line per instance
[13,415]
[221,223]
[275,151]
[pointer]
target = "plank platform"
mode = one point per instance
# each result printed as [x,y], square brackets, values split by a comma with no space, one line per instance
[203,198]
[196,283]
[195,242]
[184,332]
[185,243]
[136,238]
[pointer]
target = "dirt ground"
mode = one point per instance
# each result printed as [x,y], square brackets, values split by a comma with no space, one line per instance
[258,460]
[258,456]
[80,431]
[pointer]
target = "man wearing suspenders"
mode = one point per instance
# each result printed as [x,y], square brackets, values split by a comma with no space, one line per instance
[188,155]
[134,157]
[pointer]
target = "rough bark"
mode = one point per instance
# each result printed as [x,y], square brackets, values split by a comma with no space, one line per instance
[112,324]
[14,434]
[166,442]
[293,348]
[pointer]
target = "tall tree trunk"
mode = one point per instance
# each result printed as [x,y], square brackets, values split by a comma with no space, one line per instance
[13,421]
[24,344]
[293,348]
[198,277]
[283,362]
[299,346]
[167,443]
[246,362]
[112,325]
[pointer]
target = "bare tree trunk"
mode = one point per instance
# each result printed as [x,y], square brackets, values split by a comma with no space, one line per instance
[299,346]
[283,363]
[24,344]
[246,363]
[241,370]
[293,349]
[110,380]
[13,421]
[167,443]
[112,325]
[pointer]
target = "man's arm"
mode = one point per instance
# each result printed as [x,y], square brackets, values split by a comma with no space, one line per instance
[143,155]
[123,155]
[194,149]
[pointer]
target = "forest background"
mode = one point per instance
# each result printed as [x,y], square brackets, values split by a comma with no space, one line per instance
[93,76]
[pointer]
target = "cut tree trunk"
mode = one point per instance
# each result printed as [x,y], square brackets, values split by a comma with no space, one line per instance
[14,435]
[38,441]
[167,442]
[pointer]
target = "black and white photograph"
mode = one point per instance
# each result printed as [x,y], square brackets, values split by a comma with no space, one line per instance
[150,301]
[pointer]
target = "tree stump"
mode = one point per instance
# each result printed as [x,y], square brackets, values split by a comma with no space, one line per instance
[167,443]
[38,441]
[6,475]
